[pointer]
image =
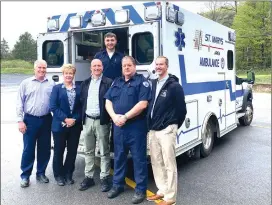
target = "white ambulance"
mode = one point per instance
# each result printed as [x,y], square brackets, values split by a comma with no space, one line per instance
[201,54]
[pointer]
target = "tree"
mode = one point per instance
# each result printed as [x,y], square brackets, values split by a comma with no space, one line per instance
[25,48]
[253,27]
[4,49]
[221,12]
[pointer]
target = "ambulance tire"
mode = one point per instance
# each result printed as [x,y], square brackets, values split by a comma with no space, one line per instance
[248,117]
[207,140]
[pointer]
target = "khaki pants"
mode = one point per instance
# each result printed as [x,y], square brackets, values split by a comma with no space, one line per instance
[163,159]
[92,132]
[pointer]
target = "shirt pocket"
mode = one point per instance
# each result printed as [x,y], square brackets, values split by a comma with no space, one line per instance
[132,95]
[116,92]
[131,90]
[30,90]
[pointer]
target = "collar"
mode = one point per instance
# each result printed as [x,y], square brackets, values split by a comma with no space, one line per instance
[73,86]
[132,78]
[115,52]
[100,77]
[163,79]
[35,79]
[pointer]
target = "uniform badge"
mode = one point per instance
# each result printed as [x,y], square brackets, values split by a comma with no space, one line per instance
[163,93]
[146,84]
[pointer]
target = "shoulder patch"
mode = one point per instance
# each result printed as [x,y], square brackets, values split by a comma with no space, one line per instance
[146,84]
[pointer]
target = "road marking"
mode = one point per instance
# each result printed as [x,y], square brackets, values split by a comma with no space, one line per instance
[259,126]
[132,184]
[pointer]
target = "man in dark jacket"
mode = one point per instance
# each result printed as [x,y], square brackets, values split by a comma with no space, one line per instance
[96,125]
[166,114]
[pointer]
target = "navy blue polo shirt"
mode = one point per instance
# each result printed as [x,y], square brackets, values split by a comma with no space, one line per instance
[112,66]
[124,95]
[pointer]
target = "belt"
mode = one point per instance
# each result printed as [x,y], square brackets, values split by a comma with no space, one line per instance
[28,115]
[94,118]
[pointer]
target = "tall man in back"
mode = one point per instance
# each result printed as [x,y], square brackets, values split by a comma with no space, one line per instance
[166,114]
[34,122]
[110,57]
[112,64]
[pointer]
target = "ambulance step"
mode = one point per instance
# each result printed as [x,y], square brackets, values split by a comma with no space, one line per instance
[239,115]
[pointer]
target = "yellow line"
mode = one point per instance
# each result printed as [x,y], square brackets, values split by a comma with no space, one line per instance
[132,184]
[261,126]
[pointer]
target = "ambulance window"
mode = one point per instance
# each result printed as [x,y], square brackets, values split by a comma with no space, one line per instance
[143,48]
[53,53]
[230,60]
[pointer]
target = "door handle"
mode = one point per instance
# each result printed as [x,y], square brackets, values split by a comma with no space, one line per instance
[187,122]
[227,85]
[220,102]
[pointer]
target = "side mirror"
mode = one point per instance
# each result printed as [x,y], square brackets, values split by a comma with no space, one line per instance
[55,78]
[250,77]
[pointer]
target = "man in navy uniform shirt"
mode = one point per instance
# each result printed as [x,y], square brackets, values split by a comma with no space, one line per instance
[112,65]
[126,103]
[110,58]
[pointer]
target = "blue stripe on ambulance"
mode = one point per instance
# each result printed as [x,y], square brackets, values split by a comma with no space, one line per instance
[239,93]
[176,7]
[202,87]
[55,17]
[86,17]
[133,15]
[149,4]
[184,132]
[66,23]
[110,15]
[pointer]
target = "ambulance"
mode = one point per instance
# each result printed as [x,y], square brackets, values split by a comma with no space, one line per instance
[201,54]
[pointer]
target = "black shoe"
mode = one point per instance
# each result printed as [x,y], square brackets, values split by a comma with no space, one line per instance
[60,181]
[69,180]
[42,178]
[86,184]
[138,197]
[24,183]
[114,192]
[105,184]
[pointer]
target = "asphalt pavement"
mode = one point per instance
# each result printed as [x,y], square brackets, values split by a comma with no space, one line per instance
[238,171]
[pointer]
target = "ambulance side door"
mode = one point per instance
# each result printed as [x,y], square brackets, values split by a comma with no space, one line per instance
[144,47]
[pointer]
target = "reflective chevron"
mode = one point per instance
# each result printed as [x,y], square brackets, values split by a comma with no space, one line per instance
[136,15]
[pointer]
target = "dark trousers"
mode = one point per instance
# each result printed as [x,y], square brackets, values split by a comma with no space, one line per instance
[111,139]
[38,130]
[134,141]
[68,138]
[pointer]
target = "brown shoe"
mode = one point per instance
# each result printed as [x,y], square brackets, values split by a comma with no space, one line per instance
[167,203]
[154,197]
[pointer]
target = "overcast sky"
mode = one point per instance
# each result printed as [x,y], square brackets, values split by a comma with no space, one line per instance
[19,17]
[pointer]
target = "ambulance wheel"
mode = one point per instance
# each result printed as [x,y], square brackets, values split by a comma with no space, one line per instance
[207,140]
[248,117]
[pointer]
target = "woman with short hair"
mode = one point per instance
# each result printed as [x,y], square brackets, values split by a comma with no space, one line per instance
[66,126]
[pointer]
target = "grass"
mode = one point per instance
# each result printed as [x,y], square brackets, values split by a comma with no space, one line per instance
[261,76]
[16,66]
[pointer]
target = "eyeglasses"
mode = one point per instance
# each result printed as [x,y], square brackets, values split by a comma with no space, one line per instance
[41,67]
